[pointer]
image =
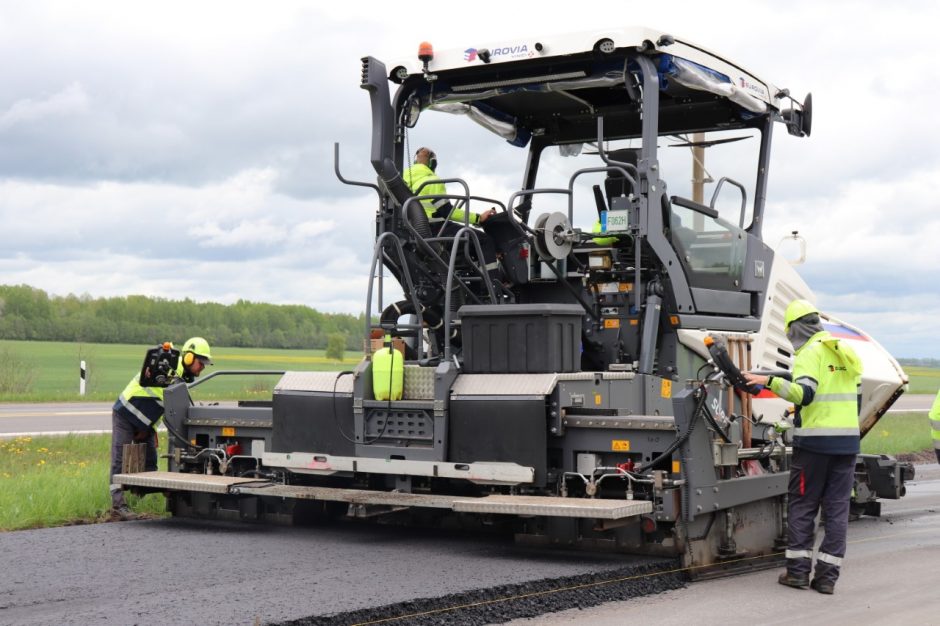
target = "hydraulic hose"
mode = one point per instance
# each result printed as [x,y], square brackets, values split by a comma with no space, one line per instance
[679,440]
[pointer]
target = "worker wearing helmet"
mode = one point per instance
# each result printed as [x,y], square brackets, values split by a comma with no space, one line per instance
[422,179]
[934,417]
[825,387]
[136,412]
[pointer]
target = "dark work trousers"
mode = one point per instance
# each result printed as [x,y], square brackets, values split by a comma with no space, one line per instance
[486,244]
[122,432]
[819,481]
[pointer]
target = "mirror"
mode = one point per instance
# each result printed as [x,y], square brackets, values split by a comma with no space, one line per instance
[411,112]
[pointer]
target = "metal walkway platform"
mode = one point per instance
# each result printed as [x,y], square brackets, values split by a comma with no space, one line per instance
[497,504]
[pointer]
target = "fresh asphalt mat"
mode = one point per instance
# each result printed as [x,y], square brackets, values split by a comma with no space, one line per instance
[502,603]
[203,572]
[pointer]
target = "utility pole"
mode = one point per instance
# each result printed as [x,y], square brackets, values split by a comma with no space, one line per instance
[698,168]
[698,178]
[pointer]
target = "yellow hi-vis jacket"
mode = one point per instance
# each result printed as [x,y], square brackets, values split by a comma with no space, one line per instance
[826,379]
[934,416]
[142,406]
[436,209]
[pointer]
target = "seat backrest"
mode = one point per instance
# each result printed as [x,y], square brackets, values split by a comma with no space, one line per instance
[615,184]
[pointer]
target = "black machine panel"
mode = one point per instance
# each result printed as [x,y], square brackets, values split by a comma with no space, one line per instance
[313,423]
[499,429]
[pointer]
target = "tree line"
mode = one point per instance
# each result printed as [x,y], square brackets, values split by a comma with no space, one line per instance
[27,313]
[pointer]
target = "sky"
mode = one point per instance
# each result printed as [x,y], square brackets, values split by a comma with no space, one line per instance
[185,149]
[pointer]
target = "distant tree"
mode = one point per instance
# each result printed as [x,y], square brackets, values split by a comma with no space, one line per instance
[30,313]
[336,346]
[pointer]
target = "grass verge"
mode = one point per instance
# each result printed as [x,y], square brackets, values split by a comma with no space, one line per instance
[898,433]
[55,481]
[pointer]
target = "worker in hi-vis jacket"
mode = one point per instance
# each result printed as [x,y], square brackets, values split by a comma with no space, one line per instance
[826,382]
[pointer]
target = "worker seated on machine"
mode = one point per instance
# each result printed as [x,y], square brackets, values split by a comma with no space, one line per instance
[421,178]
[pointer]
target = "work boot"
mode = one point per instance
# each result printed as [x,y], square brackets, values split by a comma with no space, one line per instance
[123,514]
[823,586]
[795,581]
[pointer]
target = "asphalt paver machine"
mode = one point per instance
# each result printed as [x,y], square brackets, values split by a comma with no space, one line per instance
[581,384]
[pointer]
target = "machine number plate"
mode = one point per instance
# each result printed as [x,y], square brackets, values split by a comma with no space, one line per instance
[620,445]
[616,221]
[228,431]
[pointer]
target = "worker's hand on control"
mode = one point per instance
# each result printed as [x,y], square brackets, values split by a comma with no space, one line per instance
[755,379]
[485,215]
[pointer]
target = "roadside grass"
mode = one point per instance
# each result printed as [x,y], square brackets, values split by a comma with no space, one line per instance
[54,368]
[55,481]
[899,433]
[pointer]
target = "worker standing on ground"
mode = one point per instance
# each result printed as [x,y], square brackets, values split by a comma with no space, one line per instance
[934,417]
[135,414]
[423,172]
[826,380]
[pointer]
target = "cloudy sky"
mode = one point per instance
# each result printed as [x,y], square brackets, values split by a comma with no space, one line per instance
[184,149]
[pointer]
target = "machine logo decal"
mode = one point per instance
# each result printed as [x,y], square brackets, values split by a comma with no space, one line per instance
[518,51]
[755,88]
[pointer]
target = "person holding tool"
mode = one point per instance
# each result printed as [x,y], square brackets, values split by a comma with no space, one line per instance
[136,412]
[825,387]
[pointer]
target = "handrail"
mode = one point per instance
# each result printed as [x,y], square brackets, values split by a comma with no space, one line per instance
[423,243]
[208,377]
[354,183]
[466,230]
[379,248]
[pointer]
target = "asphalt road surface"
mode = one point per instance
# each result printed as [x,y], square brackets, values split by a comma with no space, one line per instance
[185,572]
[90,417]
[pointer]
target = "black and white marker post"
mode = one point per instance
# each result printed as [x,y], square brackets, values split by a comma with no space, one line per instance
[81,381]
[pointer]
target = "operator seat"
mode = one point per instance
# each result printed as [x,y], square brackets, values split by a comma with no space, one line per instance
[615,185]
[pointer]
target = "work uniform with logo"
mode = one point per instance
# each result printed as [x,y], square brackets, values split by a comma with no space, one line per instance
[826,380]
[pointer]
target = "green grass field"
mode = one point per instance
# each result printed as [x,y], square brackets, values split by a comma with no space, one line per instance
[53,370]
[923,379]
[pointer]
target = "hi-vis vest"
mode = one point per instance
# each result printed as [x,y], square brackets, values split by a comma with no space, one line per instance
[934,416]
[827,422]
[142,406]
[417,174]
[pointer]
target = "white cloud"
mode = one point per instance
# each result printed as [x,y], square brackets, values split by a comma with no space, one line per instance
[72,99]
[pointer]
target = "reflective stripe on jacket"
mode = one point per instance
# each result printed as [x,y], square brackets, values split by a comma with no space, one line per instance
[418,174]
[826,378]
[141,406]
